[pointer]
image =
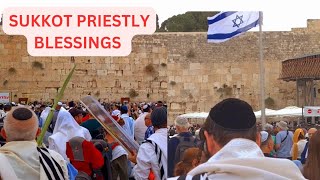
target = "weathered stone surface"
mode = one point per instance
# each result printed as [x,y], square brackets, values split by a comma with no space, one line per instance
[187,83]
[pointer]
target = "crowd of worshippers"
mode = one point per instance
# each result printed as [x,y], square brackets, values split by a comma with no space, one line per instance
[76,146]
[194,129]
[231,145]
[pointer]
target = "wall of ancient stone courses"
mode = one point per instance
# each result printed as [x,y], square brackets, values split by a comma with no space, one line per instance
[189,73]
[202,74]
[108,78]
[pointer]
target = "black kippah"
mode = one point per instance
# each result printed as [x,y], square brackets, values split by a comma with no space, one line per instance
[22,114]
[233,114]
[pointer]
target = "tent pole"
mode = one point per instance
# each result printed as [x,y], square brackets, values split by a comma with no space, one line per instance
[261,65]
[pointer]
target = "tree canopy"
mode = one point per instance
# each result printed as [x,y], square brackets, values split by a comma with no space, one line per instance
[187,22]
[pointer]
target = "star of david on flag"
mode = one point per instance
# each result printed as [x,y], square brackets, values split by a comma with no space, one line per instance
[226,25]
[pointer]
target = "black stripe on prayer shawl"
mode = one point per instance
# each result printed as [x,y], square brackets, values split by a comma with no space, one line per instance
[45,169]
[55,162]
[45,165]
[51,166]
[156,148]
[51,171]
[161,165]
[47,154]
[162,172]
[159,161]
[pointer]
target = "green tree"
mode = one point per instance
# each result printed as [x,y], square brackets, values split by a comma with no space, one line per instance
[187,22]
[157,25]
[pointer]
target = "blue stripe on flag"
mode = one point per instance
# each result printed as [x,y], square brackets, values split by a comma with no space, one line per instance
[229,35]
[220,17]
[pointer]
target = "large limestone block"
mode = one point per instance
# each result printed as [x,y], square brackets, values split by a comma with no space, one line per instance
[194,66]
[175,106]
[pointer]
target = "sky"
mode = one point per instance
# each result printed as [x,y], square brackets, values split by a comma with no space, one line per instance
[279,15]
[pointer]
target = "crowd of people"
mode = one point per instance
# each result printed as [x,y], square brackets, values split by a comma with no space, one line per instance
[232,145]
[229,145]
[76,146]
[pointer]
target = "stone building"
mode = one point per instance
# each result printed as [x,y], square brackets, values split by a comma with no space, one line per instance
[182,69]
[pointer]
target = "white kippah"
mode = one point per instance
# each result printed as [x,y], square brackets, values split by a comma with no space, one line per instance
[264,136]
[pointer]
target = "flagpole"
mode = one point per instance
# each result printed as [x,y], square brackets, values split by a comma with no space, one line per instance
[262,83]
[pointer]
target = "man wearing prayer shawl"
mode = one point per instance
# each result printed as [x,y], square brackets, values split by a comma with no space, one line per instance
[231,142]
[152,157]
[27,160]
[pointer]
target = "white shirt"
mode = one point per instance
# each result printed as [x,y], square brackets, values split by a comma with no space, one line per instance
[140,128]
[147,159]
[301,144]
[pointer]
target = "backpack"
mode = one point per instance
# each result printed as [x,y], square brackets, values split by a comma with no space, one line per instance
[106,151]
[184,144]
[77,150]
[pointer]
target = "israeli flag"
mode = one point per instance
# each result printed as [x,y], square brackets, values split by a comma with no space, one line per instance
[226,25]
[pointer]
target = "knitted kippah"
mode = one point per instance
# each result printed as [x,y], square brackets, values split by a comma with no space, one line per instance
[233,114]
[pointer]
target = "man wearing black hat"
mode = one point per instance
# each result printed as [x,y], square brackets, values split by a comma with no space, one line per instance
[152,155]
[231,142]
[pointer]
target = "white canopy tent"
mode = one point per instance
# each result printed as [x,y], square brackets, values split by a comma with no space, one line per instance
[195,118]
[200,115]
[287,111]
[289,114]
[273,115]
[267,111]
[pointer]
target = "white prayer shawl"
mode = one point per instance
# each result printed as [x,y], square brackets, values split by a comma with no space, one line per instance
[147,159]
[23,157]
[6,171]
[243,159]
[65,129]
[44,114]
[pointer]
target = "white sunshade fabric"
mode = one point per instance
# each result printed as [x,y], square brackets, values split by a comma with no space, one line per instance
[287,111]
[196,115]
[267,112]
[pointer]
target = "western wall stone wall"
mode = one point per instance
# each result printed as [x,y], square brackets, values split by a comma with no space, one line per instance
[188,73]
[108,78]
[201,74]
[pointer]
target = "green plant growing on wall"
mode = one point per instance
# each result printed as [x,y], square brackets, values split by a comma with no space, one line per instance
[163,64]
[173,83]
[149,69]
[37,65]
[5,82]
[269,102]
[225,90]
[97,94]
[133,93]
[12,70]
[191,54]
